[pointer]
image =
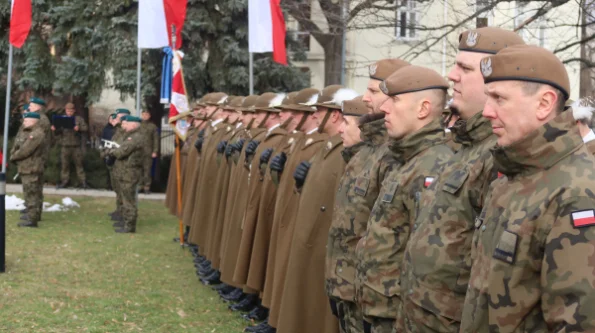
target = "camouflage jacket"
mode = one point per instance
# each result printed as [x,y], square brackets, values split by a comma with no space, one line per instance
[591,146]
[348,152]
[130,155]
[28,150]
[70,137]
[534,241]
[356,194]
[438,256]
[151,137]
[419,158]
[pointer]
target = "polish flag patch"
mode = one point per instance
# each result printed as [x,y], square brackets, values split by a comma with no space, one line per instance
[583,218]
[428,181]
[500,174]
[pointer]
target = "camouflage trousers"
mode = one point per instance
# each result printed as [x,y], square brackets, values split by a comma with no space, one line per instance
[349,315]
[379,325]
[128,209]
[147,164]
[72,154]
[33,193]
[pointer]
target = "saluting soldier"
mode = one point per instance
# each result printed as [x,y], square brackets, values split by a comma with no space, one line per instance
[304,306]
[70,140]
[151,135]
[117,138]
[438,257]
[360,185]
[417,96]
[533,240]
[28,151]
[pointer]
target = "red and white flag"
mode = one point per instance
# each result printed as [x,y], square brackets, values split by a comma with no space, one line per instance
[20,22]
[266,29]
[428,181]
[179,99]
[155,21]
[583,218]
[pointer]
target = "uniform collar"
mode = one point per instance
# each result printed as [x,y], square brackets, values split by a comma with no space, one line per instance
[373,132]
[216,122]
[541,149]
[239,124]
[589,137]
[312,131]
[272,128]
[472,130]
[349,152]
[430,135]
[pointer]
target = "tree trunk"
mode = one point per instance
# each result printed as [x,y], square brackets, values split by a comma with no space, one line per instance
[332,59]
[80,105]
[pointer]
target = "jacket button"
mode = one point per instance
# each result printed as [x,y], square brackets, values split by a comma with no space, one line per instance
[322,209]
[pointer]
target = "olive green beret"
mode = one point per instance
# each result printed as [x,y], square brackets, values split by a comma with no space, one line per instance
[26,107]
[131,118]
[33,115]
[37,100]
[122,111]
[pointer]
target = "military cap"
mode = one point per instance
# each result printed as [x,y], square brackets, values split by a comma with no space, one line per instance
[26,107]
[333,96]
[216,99]
[234,103]
[381,69]
[33,115]
[411,79]
[288,100]
[354,107]
[268,102]
[113,116]
[122,111]
[583,108]
[69,106]
[248,103]
[131,118]
[144,111]
[488,40]
[37,100]
[526,63]
[303,101]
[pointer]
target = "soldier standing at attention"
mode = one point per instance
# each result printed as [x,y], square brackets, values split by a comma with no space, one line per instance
[28,152]
[37,105]
[357,192]
[151,137]
[129,160]
[438,256]
[535,237]
[117,137]
[416,98]
[70,140]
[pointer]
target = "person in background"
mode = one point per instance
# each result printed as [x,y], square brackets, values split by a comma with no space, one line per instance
[106,134]
[70,139]
[151,141]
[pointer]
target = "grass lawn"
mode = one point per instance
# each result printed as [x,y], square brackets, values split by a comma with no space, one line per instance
[74,274]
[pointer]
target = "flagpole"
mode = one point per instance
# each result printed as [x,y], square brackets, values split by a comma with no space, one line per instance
[251,71]
[3,173]
[178,166]
[138,80]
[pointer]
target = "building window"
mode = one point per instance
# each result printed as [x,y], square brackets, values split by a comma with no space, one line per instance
[407,17]
[542,30]
[484,18]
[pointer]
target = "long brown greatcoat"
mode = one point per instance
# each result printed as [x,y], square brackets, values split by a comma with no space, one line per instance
[208,168]
[171,196]
[272,140]
[301,152]
[264,222]
[304,304]
[190,174]
[223,177]
[238,198]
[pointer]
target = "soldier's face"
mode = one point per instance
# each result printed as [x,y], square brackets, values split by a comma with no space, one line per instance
[259,117]
[28,122]
[34,107]
[70,112]
[350,132]
[468,97]
[319,115]
[145,116]
[373,97]
[401,113]
[246,117]
[513,113]
[233,116]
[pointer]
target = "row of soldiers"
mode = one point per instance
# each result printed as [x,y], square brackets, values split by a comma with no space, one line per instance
[327,212]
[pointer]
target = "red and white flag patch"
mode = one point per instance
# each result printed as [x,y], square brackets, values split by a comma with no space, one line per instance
[428,181]
[500,175]
[583,218]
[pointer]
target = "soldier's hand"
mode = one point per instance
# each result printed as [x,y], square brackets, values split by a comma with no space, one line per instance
[229,150]
[266,156]
[198,144]
[251,147]
[76,128]
[221,147]
[300,174]
[154,155]
[238,145]
[278,162]
[53,128]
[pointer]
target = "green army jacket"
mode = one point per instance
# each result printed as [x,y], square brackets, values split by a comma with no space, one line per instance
[420,158]
[151,136]
[130,155]
[28,150]
[70,137]
[438,256]
[534,241]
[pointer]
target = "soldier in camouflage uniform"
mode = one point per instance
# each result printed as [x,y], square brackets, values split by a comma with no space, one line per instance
[534,240]
[70,140]
[438,257]
[358,190]
[413,120]
[37,105]
[28,152]
[118,136]
[129,160]
[151,138]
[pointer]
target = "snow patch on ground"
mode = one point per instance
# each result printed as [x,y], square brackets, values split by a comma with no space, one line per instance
[15,203]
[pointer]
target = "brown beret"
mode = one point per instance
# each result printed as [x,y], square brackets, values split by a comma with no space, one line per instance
[488,40]
[355,107]
[234,103]
[411,79]
[304,101]
[333,96]
[216,99]
[268,101]
[248,103]
[382,69]
[69,106]
[526,63]
[288,99]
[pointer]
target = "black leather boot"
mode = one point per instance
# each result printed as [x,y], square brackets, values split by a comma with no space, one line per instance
[246,305]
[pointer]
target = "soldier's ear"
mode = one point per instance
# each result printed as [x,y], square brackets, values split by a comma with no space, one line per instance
[546,104]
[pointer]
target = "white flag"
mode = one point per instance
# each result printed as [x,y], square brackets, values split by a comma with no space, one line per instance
[152,29]
[260,26]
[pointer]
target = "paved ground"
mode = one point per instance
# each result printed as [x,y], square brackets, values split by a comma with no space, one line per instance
[18,188]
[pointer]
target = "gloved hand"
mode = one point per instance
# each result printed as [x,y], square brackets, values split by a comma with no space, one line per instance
[251,149]
[198,144]
[239,145]
[278,162]
[110,160]
[229,150]
[221,147]
[266,156]
[300,174]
